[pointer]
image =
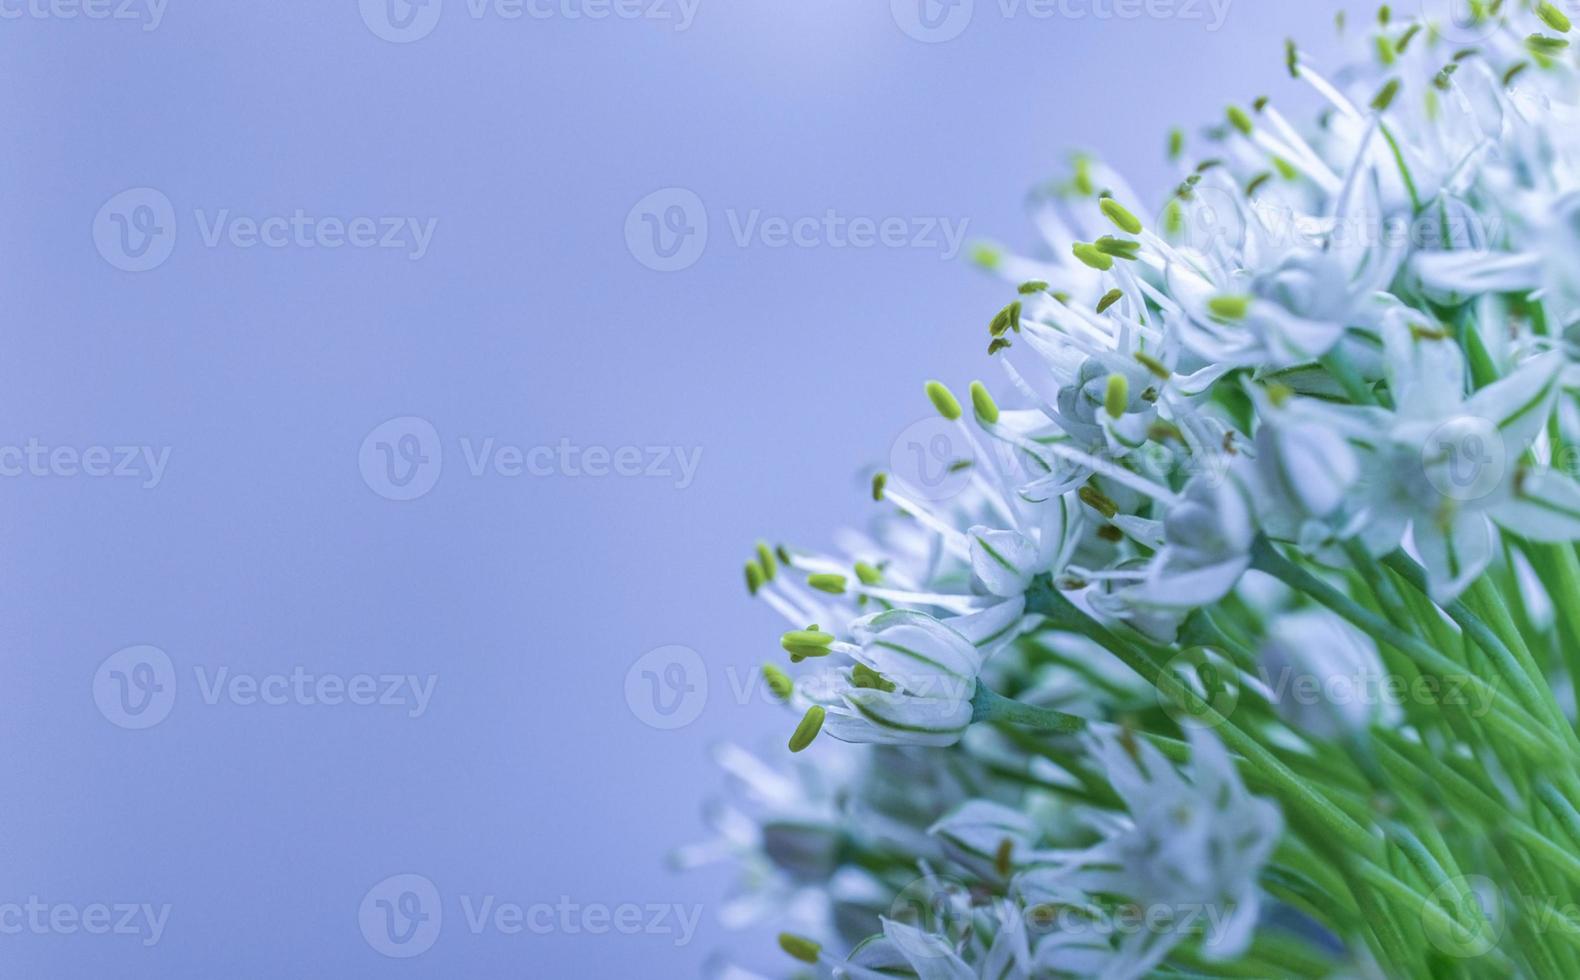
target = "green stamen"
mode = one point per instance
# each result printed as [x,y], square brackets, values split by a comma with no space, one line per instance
[1119,215]
[811,724]
[779,683]
[1116,397]
[1090,256]
[1229,308]
[825,582]
[982,403]
[943,400]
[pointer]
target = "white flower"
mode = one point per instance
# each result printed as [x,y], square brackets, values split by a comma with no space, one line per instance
[1196,843]
[1324,675]
[1446,467]
[915,675]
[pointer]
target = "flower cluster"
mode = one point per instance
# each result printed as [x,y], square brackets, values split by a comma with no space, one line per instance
[1313,422]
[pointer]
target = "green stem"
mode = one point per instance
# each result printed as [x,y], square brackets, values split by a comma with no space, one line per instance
[1511,720]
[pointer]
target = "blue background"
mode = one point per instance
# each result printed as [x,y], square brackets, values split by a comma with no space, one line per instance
[531,776]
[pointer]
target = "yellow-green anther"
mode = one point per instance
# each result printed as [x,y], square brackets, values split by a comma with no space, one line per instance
[1002,857]
[779,683]
[982,403]
[1385,95]
[1174,218]
[1157,367]
[1445,77]
[1006,319]
[878,481]
[1116,397]
[1089,255]
[1207,165]
[811,724]
[1256,183]
[1292,58]
[1240,119]
[1385,52]
[1095,499]
[1260,103]
[800,947]
[1553,17]
[765,558]
[827,582]
[1119,248]
[943,400]
[801,644]
[868,574]
[1285,169]
[1032,287]
[986,255]
[754,577]
[866,678]
[1513,73]
[1161,430]
[1407,37]
[1117,213]
[1109,299]
[1279,394]
[1176,143]
[1384,15]
[1541,44]
[997,345]
[1229,307]
[1083,175]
